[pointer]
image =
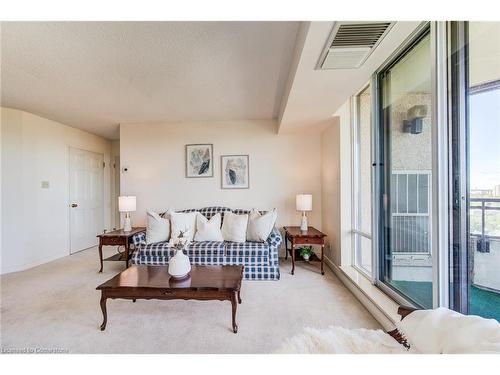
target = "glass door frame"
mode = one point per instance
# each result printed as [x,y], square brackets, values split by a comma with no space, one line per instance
[440,181]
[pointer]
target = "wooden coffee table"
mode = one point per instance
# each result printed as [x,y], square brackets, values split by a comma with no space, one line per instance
[153,282]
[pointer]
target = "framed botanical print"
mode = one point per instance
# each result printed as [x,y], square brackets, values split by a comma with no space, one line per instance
[199,160]
[235,172]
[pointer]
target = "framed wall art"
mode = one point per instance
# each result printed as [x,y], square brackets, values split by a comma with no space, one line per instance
[199,160]
[235,172]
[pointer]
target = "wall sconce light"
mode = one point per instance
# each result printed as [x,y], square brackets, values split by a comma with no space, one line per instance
[415,117]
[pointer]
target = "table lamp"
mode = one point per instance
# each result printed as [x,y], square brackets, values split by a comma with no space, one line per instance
[126,204]
[304,203]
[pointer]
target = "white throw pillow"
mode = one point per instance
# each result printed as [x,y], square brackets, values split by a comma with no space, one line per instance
[184,222]
[234,227]
[157,229]
[260,226]
[208,230]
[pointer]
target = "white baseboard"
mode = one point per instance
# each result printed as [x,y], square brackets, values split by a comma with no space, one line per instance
[38,262]
[378,313]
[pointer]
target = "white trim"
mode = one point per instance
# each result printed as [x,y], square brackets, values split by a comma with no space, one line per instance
[361,233]
[380,202]
[440,164]
[383,309]
[355,181]
[35,263]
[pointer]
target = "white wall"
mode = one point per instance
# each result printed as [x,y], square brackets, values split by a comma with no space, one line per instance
[336,184]
[280,167]
[35,221]
[330,184]
[484,51]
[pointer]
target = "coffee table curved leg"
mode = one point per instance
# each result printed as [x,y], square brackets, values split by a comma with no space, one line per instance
[234,305]
[104,312]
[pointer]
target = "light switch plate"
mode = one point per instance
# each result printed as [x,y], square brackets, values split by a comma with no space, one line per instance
[45,184]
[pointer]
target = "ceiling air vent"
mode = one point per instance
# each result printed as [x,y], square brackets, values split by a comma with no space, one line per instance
[350,44]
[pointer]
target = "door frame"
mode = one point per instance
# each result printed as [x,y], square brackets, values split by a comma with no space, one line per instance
[440,177]
[68,199]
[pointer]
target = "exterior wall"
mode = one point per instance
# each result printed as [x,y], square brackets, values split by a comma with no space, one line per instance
[411,151]
[35,221]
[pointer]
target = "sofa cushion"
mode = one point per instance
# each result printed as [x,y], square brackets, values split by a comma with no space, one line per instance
[157,229]
[208,230]
[182,222]
[247,249]
[260,226]
[159,249]
[234,227]
[205,248]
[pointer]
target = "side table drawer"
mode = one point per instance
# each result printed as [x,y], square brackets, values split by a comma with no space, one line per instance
[308,241]
[113,240]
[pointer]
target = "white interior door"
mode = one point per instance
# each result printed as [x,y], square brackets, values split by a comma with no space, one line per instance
[86,194]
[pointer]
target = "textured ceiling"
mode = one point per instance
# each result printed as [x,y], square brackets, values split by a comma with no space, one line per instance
[96,75]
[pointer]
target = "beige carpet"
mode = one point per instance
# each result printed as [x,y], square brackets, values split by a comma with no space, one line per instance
[56,306]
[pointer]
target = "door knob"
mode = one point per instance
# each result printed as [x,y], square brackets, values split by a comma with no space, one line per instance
[73,205]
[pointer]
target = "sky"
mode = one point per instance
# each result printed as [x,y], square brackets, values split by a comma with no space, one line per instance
[485,139]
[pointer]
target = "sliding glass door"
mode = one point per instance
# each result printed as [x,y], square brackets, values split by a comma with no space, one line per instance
[475,68]
[405,141]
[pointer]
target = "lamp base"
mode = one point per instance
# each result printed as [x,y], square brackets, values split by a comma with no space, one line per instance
[127,227]
[303,223]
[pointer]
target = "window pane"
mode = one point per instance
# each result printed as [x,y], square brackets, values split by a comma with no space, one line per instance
[484,169]
[362,179]
[363,253]
[402,190]
[365,160]
[412,193]
[406,142]
[423,193]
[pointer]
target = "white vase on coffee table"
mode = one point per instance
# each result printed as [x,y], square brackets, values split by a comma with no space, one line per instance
[179,265]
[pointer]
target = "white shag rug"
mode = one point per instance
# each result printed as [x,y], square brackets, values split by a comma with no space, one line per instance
[339,340]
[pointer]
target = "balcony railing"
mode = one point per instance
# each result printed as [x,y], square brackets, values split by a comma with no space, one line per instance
[484,217]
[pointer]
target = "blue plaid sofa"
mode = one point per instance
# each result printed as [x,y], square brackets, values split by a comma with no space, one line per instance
[260,259]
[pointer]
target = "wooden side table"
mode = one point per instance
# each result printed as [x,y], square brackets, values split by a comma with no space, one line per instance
[297,237]
[118,238]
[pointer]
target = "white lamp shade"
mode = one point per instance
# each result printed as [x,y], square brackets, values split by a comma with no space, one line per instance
[126,204]
[304,202]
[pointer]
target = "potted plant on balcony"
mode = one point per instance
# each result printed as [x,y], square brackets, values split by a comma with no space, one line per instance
[306,252]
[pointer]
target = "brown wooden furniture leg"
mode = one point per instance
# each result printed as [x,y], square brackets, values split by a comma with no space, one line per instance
[127,248]
[322,257]
[234,305]
[239,297]
[104,312]
[286,246]
[293,256]
[100,253]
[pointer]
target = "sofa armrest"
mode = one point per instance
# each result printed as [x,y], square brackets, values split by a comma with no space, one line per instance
[274,240]
[139,239]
